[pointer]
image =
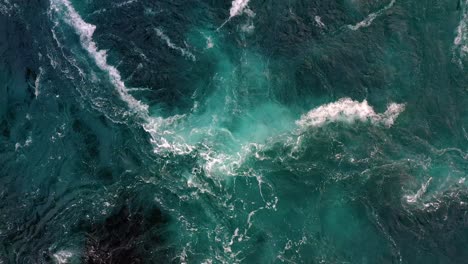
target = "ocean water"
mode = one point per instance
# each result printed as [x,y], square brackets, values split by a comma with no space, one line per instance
[203,131]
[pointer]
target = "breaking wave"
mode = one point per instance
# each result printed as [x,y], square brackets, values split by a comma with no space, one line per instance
[349,111]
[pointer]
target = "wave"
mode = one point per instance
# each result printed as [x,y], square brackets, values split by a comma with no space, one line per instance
[371,17]
[414,198]
[171,45]
[349,111]
[85,32]
[461,39]
[162,138]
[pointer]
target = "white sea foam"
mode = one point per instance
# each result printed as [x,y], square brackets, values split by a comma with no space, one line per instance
[461,39]
[209,43]
[171,45]
[38,82]
[86,31]
[62,257]
[371,17]
[129,2]
[237,8]
[163,139]
[27,143]
[461,32]
[319,22]
[349,111]
[414,198]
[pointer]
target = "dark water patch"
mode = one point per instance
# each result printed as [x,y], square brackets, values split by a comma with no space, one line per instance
[128,236]
[434,232]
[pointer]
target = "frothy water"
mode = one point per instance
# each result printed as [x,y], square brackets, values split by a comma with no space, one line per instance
[349,111]
[237,8]
[414,198]
[461,39]
[319,22]
[63,257]
[37,83]
[86,31]
[171,45]
[371,17]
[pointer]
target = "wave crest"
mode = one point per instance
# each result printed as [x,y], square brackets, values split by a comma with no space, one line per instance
[349,111]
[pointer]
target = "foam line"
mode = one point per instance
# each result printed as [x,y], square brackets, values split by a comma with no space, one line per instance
[171,45]
[38,82]
[155,126]
[86,31]
[461,39]
[371,17]
[414,198]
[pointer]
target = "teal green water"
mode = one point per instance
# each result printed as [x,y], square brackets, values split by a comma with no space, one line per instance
[233,132]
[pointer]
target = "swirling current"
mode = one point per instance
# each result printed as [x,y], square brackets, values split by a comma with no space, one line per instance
[201,131]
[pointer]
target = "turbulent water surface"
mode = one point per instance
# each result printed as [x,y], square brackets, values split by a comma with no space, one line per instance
[202,131]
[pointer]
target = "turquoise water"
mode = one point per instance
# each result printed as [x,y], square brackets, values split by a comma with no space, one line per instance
[233,132]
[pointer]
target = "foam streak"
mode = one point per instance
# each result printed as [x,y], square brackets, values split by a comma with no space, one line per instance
[371,17]
[171,45]
[461,39]
[86,31]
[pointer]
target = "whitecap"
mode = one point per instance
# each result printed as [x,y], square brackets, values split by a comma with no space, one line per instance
[414,198]
[62,257]
[461,39]
[319,22]
[237,8]
[209,43]
[85,32]
[27,143]
[349,111]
